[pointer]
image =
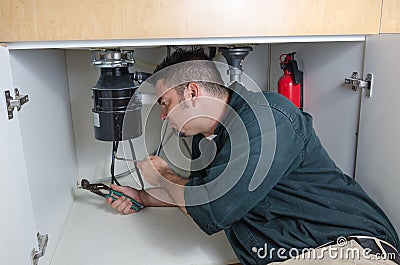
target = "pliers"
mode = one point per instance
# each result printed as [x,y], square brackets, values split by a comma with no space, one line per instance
[106,192]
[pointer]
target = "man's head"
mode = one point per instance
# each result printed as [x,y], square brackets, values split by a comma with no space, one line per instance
[190,91]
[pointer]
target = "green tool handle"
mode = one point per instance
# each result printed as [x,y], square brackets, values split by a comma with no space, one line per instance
[135,204]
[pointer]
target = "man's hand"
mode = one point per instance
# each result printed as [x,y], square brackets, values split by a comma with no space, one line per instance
[122,204]
[157,172]
[153,168]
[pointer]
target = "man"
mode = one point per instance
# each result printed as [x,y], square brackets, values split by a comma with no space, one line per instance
[258,172]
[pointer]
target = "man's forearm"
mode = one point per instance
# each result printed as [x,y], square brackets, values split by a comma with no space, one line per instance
[156,197]
[175,186]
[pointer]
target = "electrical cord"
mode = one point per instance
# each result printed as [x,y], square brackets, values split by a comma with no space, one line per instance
[135,164]
[114,151]
[120,175]
[113,177]
[129,171]
[161,141]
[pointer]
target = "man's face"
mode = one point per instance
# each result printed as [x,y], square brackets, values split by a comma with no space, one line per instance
[177,110]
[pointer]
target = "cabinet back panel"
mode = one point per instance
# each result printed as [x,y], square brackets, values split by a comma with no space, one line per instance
[333,106]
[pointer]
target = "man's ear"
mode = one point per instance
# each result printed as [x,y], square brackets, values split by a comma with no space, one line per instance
[192,92]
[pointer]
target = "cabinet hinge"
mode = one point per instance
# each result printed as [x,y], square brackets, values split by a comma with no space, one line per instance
[42,244]
[356,82]
[15,102]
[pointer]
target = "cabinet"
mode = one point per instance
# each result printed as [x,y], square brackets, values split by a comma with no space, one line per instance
[390,22]
[52,146]
[56,20]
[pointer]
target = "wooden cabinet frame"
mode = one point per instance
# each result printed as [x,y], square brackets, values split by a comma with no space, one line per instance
[49,20]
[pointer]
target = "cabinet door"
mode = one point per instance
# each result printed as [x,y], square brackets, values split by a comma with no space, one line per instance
[378,165]
[17,225]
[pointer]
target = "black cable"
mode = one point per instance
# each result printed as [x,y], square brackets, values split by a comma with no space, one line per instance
[136,168]
[114,151]
[161,140]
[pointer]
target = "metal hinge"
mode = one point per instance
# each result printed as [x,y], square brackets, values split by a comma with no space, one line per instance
[356,82]
[42,243]
[16,102]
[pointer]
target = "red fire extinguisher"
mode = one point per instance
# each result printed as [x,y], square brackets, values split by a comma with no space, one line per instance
[290,84]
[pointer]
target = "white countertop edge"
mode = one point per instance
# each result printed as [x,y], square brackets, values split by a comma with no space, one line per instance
[87,44]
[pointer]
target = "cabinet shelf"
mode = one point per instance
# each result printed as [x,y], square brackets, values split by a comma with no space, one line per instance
[96,234]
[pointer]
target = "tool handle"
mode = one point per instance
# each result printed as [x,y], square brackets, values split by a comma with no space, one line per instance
[135,204]
[133,207]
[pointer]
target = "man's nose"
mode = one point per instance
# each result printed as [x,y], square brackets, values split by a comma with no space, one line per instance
[163,115]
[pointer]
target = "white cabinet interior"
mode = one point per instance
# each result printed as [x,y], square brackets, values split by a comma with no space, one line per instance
[59,149]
